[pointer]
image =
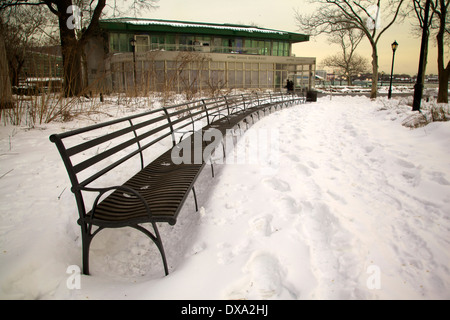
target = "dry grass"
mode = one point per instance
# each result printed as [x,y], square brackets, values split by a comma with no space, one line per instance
[44,108]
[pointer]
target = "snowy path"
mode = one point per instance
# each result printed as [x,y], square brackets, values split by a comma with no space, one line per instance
[348,199]
[350,206]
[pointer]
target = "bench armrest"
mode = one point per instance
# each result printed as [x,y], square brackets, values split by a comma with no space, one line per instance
[219,114]
[102,191]
[238,108]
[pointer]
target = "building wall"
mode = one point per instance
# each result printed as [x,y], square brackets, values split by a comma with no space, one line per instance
[180,71]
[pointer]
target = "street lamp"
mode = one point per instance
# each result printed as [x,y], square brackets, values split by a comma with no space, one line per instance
[133,46]
[394,46]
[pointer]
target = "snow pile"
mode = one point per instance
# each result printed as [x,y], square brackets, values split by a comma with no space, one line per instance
[366,89]
[352,205]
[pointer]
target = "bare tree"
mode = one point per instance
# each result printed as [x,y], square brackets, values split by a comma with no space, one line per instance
[347,63]
[419,12]
[439,26]
[22,29]
[335,15]
[190,66]
[347,67]
[6,99]
[70,45]
[72,42]
[440,9]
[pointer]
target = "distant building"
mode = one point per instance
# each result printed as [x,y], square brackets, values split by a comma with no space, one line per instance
[159,55]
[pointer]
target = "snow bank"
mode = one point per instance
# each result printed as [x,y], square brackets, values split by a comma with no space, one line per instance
[352,206]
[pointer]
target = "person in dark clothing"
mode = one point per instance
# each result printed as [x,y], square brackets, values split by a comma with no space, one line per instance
[289,86]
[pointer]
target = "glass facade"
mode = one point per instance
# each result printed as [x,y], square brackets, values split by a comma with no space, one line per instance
[120,42]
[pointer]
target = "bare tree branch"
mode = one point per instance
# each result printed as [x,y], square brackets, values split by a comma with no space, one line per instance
[337,15]
[72,42]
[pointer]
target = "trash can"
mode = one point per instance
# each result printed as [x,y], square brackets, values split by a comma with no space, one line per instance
[311,96]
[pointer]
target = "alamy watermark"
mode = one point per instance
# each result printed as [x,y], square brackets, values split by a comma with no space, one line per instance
[74,280]
[74,21]
[374,17]
[374,280]
[257,147]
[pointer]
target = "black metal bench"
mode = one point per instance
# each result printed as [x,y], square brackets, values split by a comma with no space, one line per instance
[94,155]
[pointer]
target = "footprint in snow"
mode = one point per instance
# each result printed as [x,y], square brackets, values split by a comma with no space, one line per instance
[260,226]
[277,184]
[292,157]
[439,177]
[266,278]
[288,205]
[301,168]
[263,280]
[405,164]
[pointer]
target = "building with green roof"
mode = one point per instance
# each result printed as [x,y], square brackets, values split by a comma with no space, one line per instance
[161,55]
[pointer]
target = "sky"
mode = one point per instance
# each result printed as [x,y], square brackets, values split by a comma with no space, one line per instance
[280,15]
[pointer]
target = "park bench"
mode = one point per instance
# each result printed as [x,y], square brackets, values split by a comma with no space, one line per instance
[108,196]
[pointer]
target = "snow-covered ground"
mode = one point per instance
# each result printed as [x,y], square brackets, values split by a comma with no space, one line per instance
[407,88]
[347,204]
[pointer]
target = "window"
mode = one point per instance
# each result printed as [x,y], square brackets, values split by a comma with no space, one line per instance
[257,47]
[280,49]
[267,45]
[120,42]
[171,44]
[195,43]
[113,42]
[275,48]
[217,45]
[164,42]
[184,43]
[142,43]
[286,49]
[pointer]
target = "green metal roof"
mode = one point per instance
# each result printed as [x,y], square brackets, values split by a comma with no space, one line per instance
[136,25]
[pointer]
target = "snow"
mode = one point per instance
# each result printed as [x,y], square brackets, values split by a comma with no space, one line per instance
[182,24]
[346,203]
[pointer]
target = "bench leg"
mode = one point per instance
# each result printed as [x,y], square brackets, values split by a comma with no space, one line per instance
[86,239]
[86,243]
[195,198]
[212,169]
[156,238]
[214,152]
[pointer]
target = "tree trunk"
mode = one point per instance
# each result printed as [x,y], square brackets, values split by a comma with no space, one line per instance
[16,69]
[443,84]
[70,52]
[6,100]
[373,92]
[443,71]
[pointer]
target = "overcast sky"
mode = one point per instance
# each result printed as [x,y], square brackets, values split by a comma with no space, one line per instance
[280,15]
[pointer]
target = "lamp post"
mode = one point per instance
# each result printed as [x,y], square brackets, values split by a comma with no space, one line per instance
[394,46]
[133,46]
